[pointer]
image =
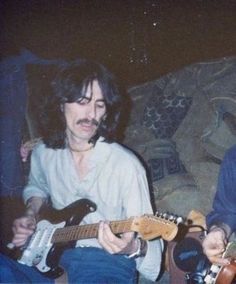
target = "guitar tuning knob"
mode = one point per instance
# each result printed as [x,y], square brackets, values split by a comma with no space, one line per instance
[162,215]
[169,216]
[179,220]
[159,214]
[165,215]
[172,218]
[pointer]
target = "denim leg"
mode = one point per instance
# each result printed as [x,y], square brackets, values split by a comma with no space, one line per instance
[94,265]
[13,272]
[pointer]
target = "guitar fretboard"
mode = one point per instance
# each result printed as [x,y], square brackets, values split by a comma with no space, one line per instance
[73,233]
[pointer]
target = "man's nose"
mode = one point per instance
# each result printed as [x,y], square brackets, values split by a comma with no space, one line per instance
[91,111]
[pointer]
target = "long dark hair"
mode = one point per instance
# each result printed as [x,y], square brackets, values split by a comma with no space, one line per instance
[70,85]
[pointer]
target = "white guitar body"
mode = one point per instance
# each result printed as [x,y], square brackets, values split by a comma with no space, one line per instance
[39,245]
[213,274]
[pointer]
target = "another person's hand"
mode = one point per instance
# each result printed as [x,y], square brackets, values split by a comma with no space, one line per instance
[214,245]
[27,147]
[24,152]
[23,228]
[126,244]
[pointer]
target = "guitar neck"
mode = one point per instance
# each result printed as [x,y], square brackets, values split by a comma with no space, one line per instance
[73,233]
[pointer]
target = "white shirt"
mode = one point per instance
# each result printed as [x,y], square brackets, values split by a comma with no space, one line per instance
[116,182]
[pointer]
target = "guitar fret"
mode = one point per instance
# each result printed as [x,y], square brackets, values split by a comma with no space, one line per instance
[120,226]
[165,228]
[72,233]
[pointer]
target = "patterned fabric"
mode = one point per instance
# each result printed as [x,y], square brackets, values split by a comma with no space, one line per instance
[159,168]
[164,113]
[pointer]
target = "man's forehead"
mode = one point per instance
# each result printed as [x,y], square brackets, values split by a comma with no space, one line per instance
[93,90]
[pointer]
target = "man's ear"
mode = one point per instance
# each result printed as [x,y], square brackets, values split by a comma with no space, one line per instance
[62,107]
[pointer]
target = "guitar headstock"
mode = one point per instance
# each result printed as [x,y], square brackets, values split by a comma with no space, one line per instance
[160,225]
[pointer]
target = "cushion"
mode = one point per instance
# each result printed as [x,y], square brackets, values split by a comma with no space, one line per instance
[164,113]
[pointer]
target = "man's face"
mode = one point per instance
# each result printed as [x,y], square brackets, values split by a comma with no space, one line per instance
[83,117]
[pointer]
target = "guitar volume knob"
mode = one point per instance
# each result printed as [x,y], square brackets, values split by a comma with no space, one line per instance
[37,259]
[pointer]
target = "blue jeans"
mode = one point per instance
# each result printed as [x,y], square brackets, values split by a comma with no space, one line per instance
[83,265]
[13,272]
[94,265]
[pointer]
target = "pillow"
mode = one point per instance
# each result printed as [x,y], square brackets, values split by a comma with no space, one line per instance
[160,168]
[164,113]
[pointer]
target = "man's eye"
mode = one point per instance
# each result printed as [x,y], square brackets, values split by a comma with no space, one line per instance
[83,102]
[101,105]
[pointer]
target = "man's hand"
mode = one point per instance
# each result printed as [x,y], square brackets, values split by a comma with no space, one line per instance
[214,245]
[23,228]
[126,244]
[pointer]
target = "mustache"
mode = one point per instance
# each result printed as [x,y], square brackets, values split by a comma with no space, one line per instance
[86,120]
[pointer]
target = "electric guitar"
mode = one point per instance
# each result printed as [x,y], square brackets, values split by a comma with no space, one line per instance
[224,274]
[53,235]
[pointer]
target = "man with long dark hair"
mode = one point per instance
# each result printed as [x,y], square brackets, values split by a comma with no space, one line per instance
[78,159]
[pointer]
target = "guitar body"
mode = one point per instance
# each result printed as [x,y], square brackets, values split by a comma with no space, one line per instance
[59,230]
[224,274]
[41,252]
[227,274]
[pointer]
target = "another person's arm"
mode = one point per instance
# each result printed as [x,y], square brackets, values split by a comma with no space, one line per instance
[27,147]
[221,222]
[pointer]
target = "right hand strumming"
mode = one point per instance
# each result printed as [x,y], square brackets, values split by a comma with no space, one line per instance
[214,245]
[23,228]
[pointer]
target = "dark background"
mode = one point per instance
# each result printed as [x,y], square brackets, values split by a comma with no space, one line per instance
[138,40]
